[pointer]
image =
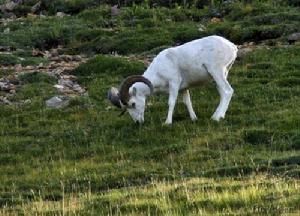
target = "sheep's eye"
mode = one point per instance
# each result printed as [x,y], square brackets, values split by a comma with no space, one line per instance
[133,105]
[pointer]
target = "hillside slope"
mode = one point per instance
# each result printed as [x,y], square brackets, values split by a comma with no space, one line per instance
[84,159]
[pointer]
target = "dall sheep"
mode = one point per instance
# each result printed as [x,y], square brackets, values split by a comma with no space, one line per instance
[176,70]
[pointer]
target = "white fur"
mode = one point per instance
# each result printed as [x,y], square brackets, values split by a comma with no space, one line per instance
[177,69]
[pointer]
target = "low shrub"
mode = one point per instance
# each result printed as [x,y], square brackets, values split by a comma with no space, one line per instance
[7,59]
[37,77]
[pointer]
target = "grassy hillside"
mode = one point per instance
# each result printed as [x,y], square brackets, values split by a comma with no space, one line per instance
[85,160]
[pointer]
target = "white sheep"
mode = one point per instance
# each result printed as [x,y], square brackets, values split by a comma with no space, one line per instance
[176,70]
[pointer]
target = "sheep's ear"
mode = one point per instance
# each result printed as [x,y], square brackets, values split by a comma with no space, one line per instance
[133,91]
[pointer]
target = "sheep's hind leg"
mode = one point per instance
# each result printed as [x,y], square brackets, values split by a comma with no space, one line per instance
[225,91]
[187,101]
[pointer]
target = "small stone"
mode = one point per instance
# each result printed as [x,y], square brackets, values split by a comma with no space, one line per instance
[67,83]
[59,86]
[57,71]
[4,100]
[55,59]
[292,38]
[57,102]
[41,65]
[12,91]
[77,87]
[201,28]
[6,31]
[5,49]
[27,101]
[46,54]
[29,67]
[70,77]
[66,58]
[243,52]
[77,58]
[6,86]
[9,6]
[115,11]
[37,53]
[54,53]
[215,20]
[18,68]
[61,14]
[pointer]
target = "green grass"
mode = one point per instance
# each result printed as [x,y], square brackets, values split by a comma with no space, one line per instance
[86,160]
[94,30]
[194,196]
[20,58]
[84,144]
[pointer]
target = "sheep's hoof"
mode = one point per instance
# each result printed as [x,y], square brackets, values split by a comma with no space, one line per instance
[217,117]
[194,118]
[167,123]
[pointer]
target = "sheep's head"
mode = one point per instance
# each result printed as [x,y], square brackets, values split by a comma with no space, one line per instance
[130,99]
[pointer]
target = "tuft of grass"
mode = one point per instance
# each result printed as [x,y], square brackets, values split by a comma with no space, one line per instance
[37,77]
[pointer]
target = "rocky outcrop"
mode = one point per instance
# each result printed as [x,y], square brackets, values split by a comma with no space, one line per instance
[59,66]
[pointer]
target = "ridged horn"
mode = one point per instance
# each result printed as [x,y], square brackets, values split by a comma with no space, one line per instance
[128,82]
[113,96]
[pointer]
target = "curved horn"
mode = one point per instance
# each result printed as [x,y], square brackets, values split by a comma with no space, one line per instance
[128,82]
[113,96]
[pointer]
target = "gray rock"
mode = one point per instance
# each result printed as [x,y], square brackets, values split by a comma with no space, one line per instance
[115,11]
[67,83]
[292,38]
[243,52]
[6,49]
[58,102]
[6,86]
[4,100]
[61,14]
[77,58]
[27,101]
[6,30]
[9,6]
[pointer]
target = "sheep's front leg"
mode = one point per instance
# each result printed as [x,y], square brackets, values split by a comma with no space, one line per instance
[187,101]
[173,93]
